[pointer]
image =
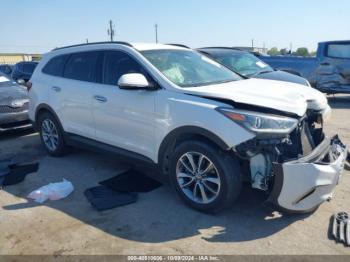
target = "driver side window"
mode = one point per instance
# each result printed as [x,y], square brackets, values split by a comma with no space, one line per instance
[118,63]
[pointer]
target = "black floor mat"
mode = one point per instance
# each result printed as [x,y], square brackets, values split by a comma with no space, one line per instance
[103,198]
[131,181]
[4,166]
[16,173]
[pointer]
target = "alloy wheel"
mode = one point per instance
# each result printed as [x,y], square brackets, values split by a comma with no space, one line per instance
[198,177]
[49,134]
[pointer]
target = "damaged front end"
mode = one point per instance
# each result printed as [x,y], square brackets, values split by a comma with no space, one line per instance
[300,170]
[303,184]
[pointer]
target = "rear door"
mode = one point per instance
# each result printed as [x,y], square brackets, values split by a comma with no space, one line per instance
[72,94]
[124,118]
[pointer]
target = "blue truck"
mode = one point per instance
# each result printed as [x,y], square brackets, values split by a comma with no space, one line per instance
[328,72]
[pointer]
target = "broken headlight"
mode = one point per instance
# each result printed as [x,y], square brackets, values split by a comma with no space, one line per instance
[259,122]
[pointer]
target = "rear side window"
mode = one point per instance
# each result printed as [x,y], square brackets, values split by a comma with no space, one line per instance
[118,63]
[339,50]
[56,65]
[82,66]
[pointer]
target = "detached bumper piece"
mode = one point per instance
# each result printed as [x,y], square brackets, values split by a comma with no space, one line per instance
[300,186]
[341,228]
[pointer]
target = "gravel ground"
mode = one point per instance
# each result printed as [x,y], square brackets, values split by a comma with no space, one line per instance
[158,223]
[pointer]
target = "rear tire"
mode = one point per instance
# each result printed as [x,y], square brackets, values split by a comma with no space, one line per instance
[51,135]
[205,177]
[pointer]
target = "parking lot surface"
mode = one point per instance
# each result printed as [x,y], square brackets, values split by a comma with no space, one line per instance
[158,223]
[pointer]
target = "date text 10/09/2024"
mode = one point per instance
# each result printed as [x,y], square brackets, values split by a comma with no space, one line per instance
[173,258]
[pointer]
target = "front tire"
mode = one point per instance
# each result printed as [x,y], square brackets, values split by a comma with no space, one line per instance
[205,177]
[51,134]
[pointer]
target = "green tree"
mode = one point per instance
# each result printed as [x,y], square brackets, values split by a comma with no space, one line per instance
[302,51]
[284,51]
[273,51]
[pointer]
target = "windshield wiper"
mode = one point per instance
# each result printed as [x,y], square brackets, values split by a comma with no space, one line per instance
[209,83]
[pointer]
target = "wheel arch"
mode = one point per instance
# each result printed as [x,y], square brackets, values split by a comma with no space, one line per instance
[182,134]
[45,108]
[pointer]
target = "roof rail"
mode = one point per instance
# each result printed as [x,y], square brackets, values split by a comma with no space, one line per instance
[179,45]
[221,47]
[94,43]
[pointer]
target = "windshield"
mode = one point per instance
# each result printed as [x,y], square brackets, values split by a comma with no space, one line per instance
[187,68]
[243,63]
[4,81]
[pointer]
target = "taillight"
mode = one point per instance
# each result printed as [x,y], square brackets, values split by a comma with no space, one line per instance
[29,85]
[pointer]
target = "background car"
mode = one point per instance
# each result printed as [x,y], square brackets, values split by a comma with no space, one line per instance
[6,69]
[248,65]
[14,104]
[23,70]
[329,71]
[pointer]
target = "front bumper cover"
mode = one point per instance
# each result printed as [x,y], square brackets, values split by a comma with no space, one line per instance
[13,121]
[302,185]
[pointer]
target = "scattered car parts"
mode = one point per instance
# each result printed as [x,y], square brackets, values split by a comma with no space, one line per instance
[103,198]
[341,228]
[347,164]
[11,174]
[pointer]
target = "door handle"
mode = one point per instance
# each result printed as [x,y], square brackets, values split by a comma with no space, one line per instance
[101,99]
[56,89]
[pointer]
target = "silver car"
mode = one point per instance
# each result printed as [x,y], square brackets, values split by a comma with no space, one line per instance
[14,105]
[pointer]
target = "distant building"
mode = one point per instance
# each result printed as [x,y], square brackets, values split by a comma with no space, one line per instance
[261,50]
[14,58]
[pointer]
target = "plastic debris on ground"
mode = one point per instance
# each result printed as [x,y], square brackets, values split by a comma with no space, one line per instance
[52,191]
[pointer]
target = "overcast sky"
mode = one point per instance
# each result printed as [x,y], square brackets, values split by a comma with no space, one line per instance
[40,25]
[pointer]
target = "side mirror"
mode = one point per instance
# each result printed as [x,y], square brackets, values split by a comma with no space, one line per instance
[133,81]
[21,82]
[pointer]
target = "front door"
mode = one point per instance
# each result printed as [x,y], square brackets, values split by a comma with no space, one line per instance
[124,118]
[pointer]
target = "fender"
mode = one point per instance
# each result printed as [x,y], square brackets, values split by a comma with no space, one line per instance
[47,108]
[169,141]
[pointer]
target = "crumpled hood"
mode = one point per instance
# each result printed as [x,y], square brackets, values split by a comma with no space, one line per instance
[10,93]
[316,100]
[282,96]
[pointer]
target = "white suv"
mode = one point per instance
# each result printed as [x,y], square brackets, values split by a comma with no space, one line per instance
[202,125]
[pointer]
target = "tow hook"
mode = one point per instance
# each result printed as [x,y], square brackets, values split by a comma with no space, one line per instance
[329,199]
[341,228]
